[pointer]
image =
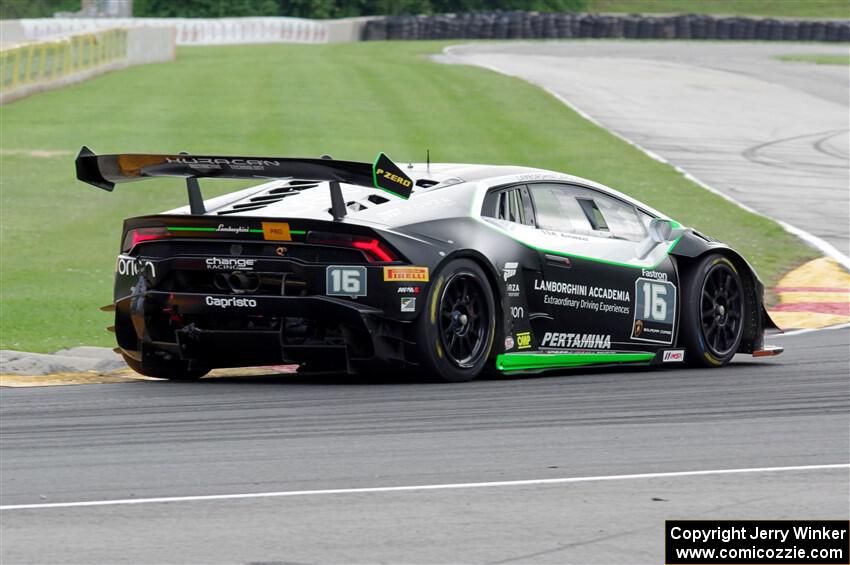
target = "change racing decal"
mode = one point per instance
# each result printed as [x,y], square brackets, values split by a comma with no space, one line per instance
[655,309]
[229,264]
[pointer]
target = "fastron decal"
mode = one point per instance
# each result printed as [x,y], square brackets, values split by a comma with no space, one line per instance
[576,341]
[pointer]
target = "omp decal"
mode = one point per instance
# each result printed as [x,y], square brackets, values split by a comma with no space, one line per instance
[406,274]
[229,264]
[126,265]
[276,231]
[530,361]
[231,301]
[673,356]
[523,340]
[576,341]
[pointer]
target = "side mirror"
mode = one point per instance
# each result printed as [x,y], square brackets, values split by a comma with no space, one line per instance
[660,231]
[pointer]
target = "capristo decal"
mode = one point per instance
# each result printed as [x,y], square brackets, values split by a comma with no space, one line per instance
[229,302]
[406,274]
[576,341]
[132,266]
[229,264]
[655,310]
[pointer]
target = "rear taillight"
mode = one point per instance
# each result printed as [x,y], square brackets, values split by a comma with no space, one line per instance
[141,235]
[374,249]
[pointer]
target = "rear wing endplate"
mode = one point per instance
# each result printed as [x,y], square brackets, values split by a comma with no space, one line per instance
[105,171]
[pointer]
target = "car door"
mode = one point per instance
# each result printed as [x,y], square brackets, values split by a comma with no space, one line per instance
[595,291]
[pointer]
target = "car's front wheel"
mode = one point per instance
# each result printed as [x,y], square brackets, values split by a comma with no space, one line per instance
[457,327]
[713,321]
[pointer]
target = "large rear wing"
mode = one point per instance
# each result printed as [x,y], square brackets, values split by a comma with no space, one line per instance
[105,171]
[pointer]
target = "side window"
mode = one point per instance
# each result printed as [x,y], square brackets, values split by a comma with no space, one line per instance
[575,209]
[511,205]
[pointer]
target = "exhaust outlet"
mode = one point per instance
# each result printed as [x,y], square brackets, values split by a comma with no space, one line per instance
[242,282]
[221,282]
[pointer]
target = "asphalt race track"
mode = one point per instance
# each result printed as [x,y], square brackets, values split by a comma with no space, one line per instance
[770,134]
[232,436]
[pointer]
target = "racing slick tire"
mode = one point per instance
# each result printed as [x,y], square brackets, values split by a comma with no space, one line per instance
[173,372]
[713,311]
[456,329]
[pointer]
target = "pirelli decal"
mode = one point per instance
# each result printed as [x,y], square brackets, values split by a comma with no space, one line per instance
[406,274]
[388,176]
[276,231]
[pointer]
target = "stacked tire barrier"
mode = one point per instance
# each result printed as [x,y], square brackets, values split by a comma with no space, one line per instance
[534,25]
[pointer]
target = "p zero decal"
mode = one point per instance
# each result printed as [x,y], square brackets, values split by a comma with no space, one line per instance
[388,176]
[406,274]
[655,310]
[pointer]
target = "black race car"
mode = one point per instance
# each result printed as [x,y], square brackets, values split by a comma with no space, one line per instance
[447,269]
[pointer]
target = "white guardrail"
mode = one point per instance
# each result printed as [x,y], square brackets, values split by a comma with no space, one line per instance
[190,31]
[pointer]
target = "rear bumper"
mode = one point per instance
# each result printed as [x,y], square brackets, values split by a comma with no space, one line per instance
[225,330]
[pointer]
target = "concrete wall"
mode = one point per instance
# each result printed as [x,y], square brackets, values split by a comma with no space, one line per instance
[36,66]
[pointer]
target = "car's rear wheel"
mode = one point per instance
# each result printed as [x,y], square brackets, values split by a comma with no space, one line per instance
[713,320]
[457,327]
[172,371]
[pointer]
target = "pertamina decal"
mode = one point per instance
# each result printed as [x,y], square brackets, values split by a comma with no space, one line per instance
[576,341]
[276,231]
[406,274]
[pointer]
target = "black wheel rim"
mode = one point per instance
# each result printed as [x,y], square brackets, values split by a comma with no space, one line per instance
[721,310]
[464,319]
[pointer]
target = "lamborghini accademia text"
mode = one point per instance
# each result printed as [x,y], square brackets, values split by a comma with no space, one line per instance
[443,269]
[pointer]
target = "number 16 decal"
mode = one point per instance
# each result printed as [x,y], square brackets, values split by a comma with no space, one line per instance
[655,311]
[346,281]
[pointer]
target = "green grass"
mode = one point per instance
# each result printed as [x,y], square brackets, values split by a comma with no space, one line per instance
[776,8]
[817,59]
[59,237]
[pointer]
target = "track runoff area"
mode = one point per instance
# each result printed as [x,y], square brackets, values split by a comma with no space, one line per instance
[590,467]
